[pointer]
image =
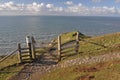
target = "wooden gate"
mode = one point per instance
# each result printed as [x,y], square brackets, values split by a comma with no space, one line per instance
[27,54]
[65,48]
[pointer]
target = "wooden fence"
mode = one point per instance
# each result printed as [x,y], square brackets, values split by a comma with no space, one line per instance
[70,44]
[27,53]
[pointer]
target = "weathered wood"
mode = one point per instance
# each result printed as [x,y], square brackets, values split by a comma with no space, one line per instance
[33,51]
[30,51]
[59,48]
[33,47]
[24,48]
[77,43]
[19,50]
[77,47]
[23,52]
[68,43]
[77,36]
[68,47]
[29,45]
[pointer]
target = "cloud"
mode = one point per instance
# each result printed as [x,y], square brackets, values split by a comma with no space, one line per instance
[96,1]
[34,7]
[68,3]
[70,8]
[49,5]
[117,1]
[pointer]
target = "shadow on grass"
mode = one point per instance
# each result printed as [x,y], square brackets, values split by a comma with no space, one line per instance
[95,43]
[10,66]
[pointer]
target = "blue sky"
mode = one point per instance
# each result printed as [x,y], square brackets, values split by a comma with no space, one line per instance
[60,7]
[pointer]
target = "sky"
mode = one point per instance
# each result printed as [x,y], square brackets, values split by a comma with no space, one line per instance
[60,7]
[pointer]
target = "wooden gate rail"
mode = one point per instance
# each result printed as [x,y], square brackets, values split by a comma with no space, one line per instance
[61,46]
[26,54]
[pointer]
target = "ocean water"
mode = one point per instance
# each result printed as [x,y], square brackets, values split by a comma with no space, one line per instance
[14,29]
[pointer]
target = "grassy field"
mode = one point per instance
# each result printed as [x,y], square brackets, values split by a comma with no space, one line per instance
[9,67]
[91,46]
[12,66]
[10,71]
[100,71]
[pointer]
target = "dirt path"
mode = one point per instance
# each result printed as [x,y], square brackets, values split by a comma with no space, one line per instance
[46,60]
[48,63]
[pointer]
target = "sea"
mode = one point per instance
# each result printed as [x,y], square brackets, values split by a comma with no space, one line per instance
[14,29]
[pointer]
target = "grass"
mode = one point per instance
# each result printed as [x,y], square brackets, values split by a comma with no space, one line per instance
[9,67]
[99,71]
[91,46]
[6,73]
[9,61]
[12,66]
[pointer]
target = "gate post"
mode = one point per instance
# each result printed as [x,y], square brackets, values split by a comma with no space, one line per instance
[33,47]
[28,41]
[59,48]
[19,52]
[77,43]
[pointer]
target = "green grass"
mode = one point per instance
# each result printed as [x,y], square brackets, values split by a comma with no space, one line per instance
[11,66]
[101,71]
[8,72]
[89,46]
[9,61]
[92,46]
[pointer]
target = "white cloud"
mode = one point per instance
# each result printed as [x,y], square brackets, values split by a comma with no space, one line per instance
[103,10]
[69,2]
[11,8]
[80,9]
[34,7]
[49,5]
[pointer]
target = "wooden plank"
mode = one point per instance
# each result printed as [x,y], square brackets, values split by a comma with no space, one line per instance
[68,46]
[67,51]
[24,48]
[30,50]
[68,43]
[23,52]
[59,48]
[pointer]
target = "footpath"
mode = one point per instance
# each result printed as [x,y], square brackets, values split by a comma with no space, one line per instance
[47,63]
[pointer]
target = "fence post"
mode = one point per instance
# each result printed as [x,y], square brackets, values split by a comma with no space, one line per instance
[77,36]
[77,43]
[33,47]
[28,41]
[59,48]
[19,50]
